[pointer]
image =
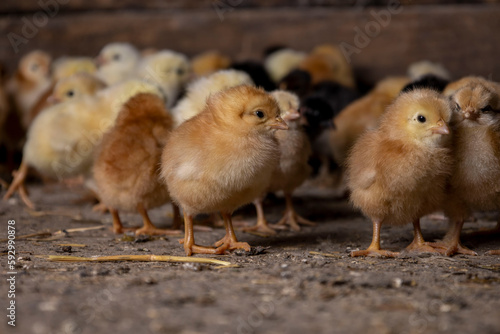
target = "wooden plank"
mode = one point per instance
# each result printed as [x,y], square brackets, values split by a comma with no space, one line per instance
[464,38]
[15,6]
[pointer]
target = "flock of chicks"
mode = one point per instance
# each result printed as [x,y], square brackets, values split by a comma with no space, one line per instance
[210,135]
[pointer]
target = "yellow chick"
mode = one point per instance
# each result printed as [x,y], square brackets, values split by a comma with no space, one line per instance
[476,146]
[398,172]
[198,92]
[293,168]
[67,66]
[209,62]
[168,69]
[117,62]
[61,141]
[279,63]
[29,83]
[222,159]
[126,164]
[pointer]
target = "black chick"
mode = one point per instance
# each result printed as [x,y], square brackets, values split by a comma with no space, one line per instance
[298,82]
[429,81]
[257,72]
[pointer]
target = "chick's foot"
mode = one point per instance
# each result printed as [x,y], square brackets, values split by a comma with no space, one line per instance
[374,252]
[493,252]
[291,218]
[449,248]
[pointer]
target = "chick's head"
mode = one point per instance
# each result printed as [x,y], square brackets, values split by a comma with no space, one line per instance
[75,86]
[246,109]
[420,116]
[35,66]
[478,103]
[118,54]
[67,66]
[289,107]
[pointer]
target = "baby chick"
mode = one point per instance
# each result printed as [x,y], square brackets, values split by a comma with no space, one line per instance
[209,62]
[168,69]
[292,169]
[67,66]
[198,92]
[222,159]
[116,62]
[476,173]
[61,141]
[257,72]
[126,164]
[398,172]
[279,63]
[31,80]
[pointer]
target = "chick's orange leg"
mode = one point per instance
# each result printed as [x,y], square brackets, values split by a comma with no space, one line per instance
[18,185]
[418,245]
[189,246]
[374,248]
[262,224]
[493,252]
[230,241]
[148,227]
[117,223]
[291,217]
[451,243]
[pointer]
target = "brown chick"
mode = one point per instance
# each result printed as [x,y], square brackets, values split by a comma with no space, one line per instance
[126,167]
[476,148]
[362,115]
[222,159]
[293,168]
[30,81]
[327,63]
[398,172]
[209,62]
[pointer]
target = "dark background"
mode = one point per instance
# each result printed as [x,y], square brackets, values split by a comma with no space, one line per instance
[462,35]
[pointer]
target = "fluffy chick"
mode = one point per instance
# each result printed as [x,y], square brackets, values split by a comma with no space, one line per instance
[279,63]
[292,169]
[398,172]
[327,62]
[257,72]
[422,68]
[209,62]
[222,159]
[168,69]
[199,91]
[361,115]
[61,141]
[116,62]
[126,164]
[67,66]
[476,146]
[30,81]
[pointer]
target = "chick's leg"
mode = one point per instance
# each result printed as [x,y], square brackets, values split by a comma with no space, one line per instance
[148,227]
[189,246]
[229,241]
[18,185]
[451,244]
[291,217]
[418,245]
[262,224]
[374,248]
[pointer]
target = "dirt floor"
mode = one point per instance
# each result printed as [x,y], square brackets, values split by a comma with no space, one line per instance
[283,288]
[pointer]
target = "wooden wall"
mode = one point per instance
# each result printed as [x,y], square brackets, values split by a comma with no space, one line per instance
[463,35]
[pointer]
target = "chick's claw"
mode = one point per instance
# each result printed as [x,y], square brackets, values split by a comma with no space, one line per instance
[451,248]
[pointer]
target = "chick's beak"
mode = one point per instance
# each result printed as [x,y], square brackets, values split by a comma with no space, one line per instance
[440,128]
[279,124]
[52,99]
[100,60]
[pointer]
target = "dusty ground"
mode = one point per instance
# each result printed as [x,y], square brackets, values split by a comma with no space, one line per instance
[284,290]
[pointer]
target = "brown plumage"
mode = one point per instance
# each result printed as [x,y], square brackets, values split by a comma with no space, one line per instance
[222,159]
[398,172]
[127,164]
[474,184]
[209,62]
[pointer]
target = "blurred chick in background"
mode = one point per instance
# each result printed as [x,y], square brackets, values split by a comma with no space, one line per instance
[116,62]
[61,141]
[209,62]
[200,90]
[31,80]
[257,72]
[293,168]
[222,159]
[168,69]
[398,172]
[476,146]
[281,62]
[126,164]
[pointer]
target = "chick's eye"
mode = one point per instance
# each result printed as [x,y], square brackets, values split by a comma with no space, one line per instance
[70,93]
[180,71]
[487,109]
[421,119]
[116,56]
[457,106]
[259,114]
[34,67]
